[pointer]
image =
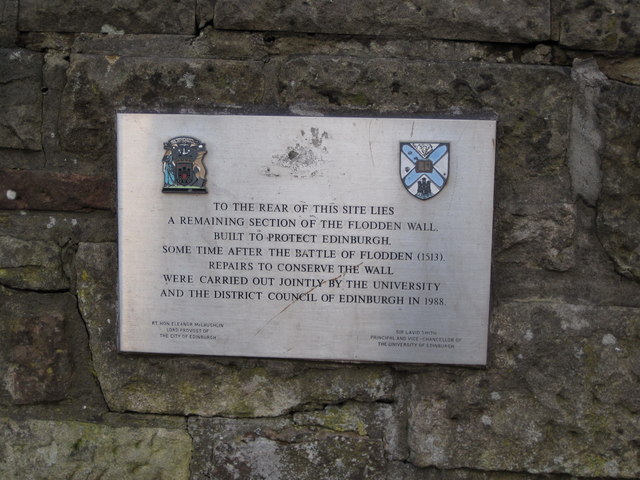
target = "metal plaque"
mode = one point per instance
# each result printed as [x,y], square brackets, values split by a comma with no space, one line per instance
[362,239]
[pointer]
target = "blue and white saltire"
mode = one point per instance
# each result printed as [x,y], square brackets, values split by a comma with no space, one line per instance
[438,155]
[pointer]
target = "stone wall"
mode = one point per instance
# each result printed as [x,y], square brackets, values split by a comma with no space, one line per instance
[560,396]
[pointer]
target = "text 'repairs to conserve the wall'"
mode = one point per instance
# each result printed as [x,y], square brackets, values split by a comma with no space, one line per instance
[362,239]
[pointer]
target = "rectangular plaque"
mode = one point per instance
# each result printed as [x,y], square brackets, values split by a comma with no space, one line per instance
[362,239]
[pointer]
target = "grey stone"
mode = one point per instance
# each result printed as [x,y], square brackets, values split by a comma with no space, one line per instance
[533,197]
[407,471]
[54,79]
[237,44]
[97,86]
[619,207]
[540,234]
[204,12]
[610,25]
[59,228]
[51,42]
[39,361]
[21,99]
[35,353]
[277,449]
[591,280]
[541,54]
[32,265]
[375,421]
[496,21]
[150,16]
[8,22]
[43,450]
[45,357]
[585,139]
[200,385]
[532,411]
[20,159]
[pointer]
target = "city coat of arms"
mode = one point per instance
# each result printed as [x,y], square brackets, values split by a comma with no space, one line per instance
[183,167]
[424,168]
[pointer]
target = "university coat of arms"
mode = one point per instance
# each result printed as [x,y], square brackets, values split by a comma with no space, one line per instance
[182,165]
[424,168]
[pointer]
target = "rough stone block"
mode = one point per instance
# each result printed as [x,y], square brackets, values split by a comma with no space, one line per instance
[592,279]
[59,228]
[39,368]
[98,86]
[559,396]
[44,356]
[625,69]
[610,25]
[33,190]
[494,21]
[8,22]
[406,471]
[618,218]
[204,12]
[278,449]
[372,420]
[31,265]
[133,16]
[21,99]
[35,353]
[43,450]
[533,105]
[201,385]
[536,234]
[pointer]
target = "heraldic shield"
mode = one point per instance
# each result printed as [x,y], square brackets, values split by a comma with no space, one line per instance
[183,167]
[424,168]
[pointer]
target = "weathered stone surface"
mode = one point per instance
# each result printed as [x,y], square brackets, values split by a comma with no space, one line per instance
[33,190]
[592,279]
[619,207]
[39,364]
[204,12]
[406,471]
[45,357]
[148,45]
[31,265]
[60,228]
[278,449]
[133,16]
[533,194]
[374,421]
[100,85]
[36,359]
[53,42]
[54,79]
[610,25]
[11,158]
[497,21]
[8,22]
[204,386]
[532,411]
[56,449]
[585,139]
[21,99]
[236,44]
[625,70]
[535,234]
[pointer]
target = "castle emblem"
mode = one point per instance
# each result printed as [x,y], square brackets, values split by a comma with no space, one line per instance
[424,168]
[182,166]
